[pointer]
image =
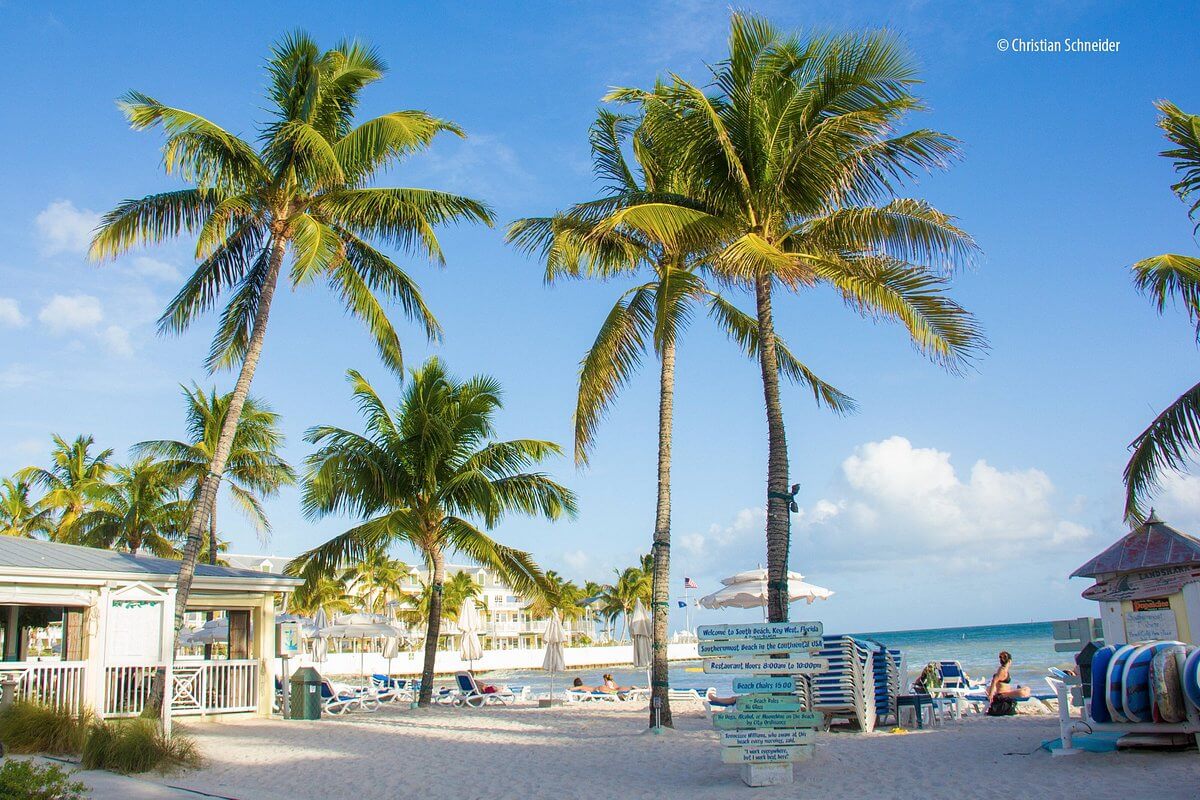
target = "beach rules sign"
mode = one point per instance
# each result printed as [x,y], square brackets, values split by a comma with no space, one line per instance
[768,727]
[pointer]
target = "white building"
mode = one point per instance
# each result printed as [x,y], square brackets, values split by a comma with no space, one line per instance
[508,624]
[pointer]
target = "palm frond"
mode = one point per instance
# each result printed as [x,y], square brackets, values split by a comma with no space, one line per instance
[1168,443]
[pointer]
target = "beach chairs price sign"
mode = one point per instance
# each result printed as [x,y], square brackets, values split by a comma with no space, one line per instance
[767,729]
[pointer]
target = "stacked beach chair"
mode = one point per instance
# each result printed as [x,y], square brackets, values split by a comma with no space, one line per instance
[847,690]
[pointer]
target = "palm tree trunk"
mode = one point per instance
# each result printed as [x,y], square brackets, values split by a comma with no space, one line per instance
[660,600]
[779,531]
[212,559]
[208,487]
[433,626]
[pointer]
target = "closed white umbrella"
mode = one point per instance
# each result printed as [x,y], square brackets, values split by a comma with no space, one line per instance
[320,645]
[556,656]
[641,629]
[469,625]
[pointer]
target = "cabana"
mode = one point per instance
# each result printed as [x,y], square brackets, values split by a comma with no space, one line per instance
[1147,585]
[84,628]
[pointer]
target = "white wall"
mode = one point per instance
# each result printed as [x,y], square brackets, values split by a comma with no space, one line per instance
[409,663]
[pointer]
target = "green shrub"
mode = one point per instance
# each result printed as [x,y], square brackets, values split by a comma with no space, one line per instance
[27,727]
[137,745]
[25,780]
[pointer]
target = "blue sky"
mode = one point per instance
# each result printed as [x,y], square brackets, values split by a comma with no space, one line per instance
[946,500]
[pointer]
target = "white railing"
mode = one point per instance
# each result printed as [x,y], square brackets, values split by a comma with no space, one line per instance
[52,683]
[199,687]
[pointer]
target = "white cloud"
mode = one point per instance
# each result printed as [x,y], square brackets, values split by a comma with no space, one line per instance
[480,166]
[900,502]
[71,313]
[1178,500]
[116,339]
[578,560]
[15,376]
[10,313]
[63,228]
[154,268]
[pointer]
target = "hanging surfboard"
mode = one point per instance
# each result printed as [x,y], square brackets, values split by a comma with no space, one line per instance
[1099,700]
[1115,690]
[1166,688]
[1191,678]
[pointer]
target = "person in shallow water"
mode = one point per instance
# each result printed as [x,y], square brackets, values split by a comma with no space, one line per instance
[1002,687]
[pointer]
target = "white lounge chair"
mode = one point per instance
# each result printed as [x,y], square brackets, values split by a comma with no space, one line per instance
[468,693]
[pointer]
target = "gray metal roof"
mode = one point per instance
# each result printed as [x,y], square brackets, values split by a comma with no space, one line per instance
[22,553]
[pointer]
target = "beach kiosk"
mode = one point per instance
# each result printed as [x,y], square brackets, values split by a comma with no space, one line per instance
[112,615]
[1147,585]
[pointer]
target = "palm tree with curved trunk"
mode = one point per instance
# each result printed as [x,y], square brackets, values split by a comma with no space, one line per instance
[254,469]
[377,580]
[1172,440]
[430,475]
[139,510]
[71,484]
[794,159]
[19,514]
[302,196]
[586,242]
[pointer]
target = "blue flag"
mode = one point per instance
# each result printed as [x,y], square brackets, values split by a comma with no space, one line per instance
[682,603]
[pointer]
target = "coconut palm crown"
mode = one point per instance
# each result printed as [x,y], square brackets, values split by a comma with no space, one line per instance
[429,475]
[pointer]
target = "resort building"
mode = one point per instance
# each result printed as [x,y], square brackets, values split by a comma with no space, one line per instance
[84,628]
[508,624]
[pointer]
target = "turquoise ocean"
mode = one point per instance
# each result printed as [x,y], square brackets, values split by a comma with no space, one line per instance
[976,648]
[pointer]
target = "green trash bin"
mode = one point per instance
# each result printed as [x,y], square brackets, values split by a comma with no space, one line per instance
[305,701]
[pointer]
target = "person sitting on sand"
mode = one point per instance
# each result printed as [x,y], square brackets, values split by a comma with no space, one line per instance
[1002,687]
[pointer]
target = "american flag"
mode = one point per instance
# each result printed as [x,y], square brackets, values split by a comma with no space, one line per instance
[688,583]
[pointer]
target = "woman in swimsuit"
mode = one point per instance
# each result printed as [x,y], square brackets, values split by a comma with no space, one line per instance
[1002,686]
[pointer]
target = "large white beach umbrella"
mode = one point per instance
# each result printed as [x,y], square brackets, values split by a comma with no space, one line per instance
[556,657]
[641,629]
[469,625]
[214,631]
[359,626]
[749,590]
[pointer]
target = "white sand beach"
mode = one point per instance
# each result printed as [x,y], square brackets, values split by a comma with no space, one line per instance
[594,752]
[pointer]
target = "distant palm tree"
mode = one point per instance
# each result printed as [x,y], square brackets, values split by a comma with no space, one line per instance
[254,470]
[1172,440]
[303,192]
[322,593]
[19,515]
[789,158]
[424,475]
[377,580]
[619,599]
[140,509]
[588,240]
[71,485]
[566,599]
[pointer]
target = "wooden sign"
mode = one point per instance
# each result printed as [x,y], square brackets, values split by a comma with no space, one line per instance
[766,666]
[1151,583]
[768,702]
[764,684]
[765,755]
[752,647]
[742,720]
[761,630]
[784,737]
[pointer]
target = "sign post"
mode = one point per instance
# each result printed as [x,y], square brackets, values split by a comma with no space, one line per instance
[767,730]
[287,644]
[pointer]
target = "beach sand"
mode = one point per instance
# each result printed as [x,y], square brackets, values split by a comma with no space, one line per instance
[594,752]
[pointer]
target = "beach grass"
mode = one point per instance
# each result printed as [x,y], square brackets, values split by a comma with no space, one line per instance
[137,745]
[27,727]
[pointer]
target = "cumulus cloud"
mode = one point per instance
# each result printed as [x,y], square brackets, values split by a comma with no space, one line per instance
[116,340]
[65,313]
[1178,500]
[15,376]
[155,269]
[896,501]
[63,228]
[10,313]
[892,503]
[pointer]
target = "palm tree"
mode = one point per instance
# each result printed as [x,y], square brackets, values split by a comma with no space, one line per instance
[302,193]
[254,470]
[139,510]
[322,593]
[1172,440]
[618,600]
[566,599]
[72,484]
[427,474]
[20,516]
[587,240]
[791,156]
[377,579]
